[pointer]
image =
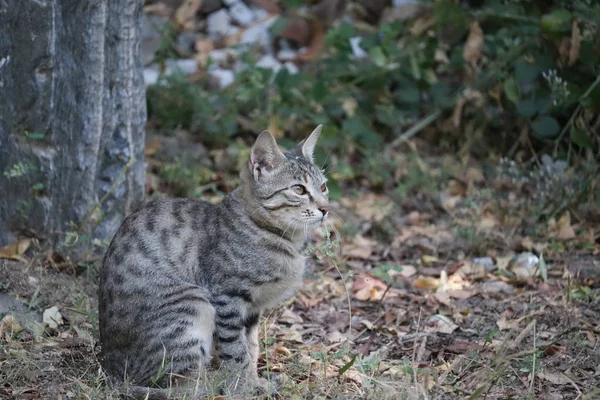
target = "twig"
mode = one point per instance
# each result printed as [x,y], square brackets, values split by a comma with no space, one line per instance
[533,364]
[418,127]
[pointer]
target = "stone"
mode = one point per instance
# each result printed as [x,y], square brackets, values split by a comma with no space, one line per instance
[224,57]
[210,6]
[241,13]
[186,66]
[219,23]
[269,62]
[286,55]
[259,34]
[291,67]
[225,77]
[151,75]
[186,41]
[230,3]
[357,51]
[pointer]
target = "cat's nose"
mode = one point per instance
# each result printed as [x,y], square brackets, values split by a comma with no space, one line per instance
[324,210]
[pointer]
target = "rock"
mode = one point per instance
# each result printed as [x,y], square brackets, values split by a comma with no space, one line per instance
[225,58]
[259,34]
[210,6]
[186,66]
[286,55]
[269,62]
[291,67]
[10,305]
[219,24]
[186,41]
[230,3]
[260,13]
[241,14]
[151,75]
[357,51]
[180,145]
[224,77]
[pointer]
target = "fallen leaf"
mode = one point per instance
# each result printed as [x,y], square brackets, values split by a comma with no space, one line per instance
[269,5]
[563,229]
[290,317]
[367,287]
[426,282]
[297,29]
[335,337]
[473,46]
[52,317]
[557,378]
[439,324]
[187,11]
[16,250]
[9,325]
[422,25]
[159,9]
[497,286]
[316,42]
[575,43]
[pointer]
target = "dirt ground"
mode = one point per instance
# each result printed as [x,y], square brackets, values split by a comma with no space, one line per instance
[397,303]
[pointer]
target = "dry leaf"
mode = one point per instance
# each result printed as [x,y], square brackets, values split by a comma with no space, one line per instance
[8,327]
[473,46]
[290,317]
[575,43]
[439,324]
[426,282]
[371,206]
[52,317]
[421,25]
[187,11]
[557,378]
[16,250]
[565,230]
[316,42]
[269,5]
[158,9]
[367,287]
[349,106]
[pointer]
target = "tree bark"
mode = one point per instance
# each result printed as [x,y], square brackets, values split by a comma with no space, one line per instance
[72,115]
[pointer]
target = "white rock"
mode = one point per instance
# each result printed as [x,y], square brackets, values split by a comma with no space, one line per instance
[224,57]
[400,3]
[150,76]
[260,13]
[259,34]
[218,23]
[286,55]
[229,3]
[52,317]
[225,76]
[269,62]
[291,67]
[241,14]
[186,66]
[357,51]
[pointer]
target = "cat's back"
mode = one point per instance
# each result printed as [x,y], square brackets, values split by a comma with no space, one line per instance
[162,234]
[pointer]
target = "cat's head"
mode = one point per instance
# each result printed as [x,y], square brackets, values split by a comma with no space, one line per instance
[288,190]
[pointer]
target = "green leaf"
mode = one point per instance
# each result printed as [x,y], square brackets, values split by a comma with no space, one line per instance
[37,187]
[545,127]
[410,95]
[543,268]
[512,90]
[347,366]
[378,56]
[526,72]
[527,108]
[279,25]
[558,21]
[581,138]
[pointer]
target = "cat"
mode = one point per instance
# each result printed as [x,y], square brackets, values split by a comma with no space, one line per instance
[183,279]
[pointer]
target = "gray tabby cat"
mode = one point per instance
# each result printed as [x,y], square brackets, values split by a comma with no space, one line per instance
[184,278]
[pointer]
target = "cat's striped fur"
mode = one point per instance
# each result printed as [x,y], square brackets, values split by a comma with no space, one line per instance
[183,279]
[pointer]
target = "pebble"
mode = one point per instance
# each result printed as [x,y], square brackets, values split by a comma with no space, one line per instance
[225,76]
[241,14]
[269,62]
[357,51]
[219,23]
[291,67]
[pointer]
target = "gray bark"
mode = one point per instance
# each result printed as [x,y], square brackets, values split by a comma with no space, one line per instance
[72,115]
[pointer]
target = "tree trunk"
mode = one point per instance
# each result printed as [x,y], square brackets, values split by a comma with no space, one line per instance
[72,114]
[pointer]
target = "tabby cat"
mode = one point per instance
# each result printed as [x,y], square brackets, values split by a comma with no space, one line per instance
[185,280]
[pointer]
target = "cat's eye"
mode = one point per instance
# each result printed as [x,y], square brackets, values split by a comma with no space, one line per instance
[323,188]
[299,189]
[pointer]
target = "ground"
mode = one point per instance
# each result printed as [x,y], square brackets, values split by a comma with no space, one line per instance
[401,300]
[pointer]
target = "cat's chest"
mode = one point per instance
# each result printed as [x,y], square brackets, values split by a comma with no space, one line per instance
[286,282]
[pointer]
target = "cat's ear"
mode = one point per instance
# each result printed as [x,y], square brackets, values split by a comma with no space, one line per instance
[306,147]
[265,155]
